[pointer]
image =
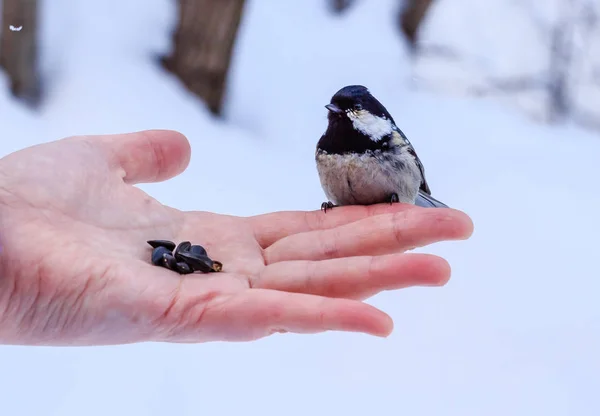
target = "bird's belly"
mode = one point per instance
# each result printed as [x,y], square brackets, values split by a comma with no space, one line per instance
[362,180]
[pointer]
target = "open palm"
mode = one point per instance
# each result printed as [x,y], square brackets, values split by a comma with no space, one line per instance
[75,264]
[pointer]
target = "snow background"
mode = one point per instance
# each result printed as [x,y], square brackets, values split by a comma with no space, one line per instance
[469,45]
[515,332]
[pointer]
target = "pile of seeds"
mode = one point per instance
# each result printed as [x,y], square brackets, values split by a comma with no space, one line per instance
[184,258]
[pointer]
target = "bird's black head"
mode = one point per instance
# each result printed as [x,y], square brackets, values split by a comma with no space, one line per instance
[357,122]
[356,98]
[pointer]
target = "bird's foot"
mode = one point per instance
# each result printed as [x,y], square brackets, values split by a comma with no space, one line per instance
[327,205]
[394,198]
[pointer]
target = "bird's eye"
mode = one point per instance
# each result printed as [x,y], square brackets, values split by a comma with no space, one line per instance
[358,107]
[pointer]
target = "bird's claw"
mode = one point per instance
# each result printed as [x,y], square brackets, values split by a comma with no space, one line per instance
[327,205]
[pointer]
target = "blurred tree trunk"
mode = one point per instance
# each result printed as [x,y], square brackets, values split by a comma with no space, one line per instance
[411,17]
[18,48]
[202,47]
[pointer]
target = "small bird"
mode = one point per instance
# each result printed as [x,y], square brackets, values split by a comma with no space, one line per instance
[14,28]
[363,158]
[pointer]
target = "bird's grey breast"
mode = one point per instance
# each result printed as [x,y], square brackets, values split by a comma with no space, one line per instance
[368,178]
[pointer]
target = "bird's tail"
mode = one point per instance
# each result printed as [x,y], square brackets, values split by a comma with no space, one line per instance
[427,201]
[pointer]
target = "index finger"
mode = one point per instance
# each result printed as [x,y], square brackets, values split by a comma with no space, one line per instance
[383,234]
[269,228]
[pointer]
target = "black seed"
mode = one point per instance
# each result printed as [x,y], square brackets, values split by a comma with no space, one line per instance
[217,266]
[197,262]
[183,246]
[157,255]
[169,261]
[184,268]
[197,249]
[169,245]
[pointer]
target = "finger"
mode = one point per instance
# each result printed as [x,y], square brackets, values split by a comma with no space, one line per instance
[257,313]
[270,228]
[146,156]
[356,277]
[382,234]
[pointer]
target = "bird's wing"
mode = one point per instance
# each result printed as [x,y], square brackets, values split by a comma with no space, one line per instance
[424,185]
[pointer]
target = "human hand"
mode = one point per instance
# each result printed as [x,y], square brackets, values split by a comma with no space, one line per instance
[75,270]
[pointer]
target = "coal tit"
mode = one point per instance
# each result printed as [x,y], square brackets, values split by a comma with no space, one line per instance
[363,158]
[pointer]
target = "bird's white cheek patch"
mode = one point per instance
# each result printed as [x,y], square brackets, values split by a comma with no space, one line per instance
[373,126]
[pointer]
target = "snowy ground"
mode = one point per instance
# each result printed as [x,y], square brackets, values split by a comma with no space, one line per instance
[515,332]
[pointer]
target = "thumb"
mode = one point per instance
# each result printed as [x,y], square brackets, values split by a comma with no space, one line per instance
[146,156]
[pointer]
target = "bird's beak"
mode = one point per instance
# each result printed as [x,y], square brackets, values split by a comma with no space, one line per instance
[334,108]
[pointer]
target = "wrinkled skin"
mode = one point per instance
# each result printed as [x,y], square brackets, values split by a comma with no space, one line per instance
[75,270]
